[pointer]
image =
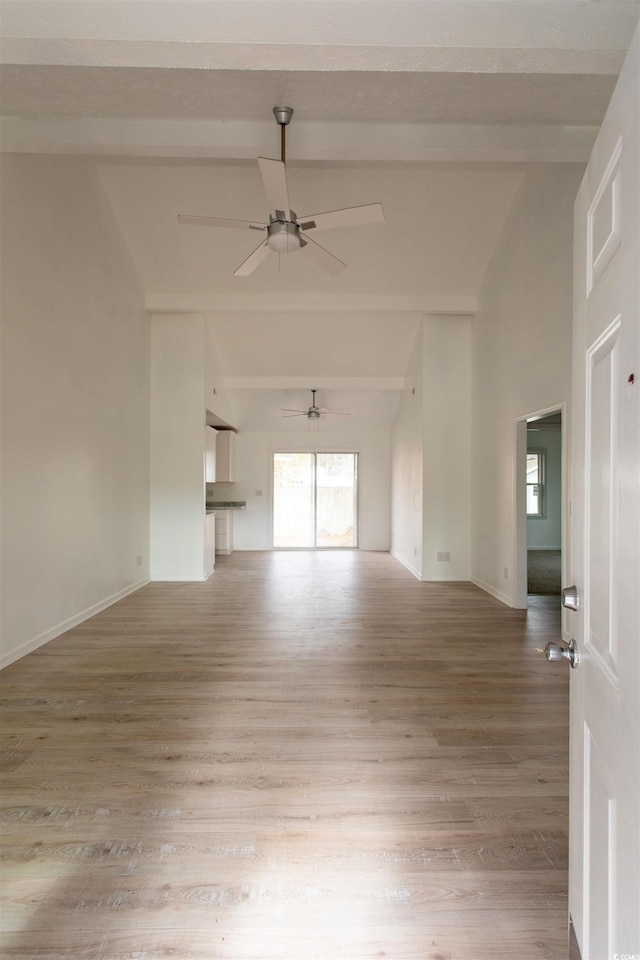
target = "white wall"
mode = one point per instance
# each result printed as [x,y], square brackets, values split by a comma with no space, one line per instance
[216,398]
[186,382]
[521,358]
[177,502]
[431,449]
[546,532]
[446,415]
[75,404]
[254,465]
[407,477]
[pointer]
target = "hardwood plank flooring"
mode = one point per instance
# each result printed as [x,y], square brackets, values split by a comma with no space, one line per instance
[312,756]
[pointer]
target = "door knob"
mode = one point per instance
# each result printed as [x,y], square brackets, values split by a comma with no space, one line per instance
[570,598]
[557,651]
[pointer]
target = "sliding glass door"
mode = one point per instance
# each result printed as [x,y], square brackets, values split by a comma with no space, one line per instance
[294,500]
[336,487]
[315,500]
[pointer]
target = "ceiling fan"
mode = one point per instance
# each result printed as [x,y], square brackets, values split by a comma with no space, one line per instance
[285,231]
[314,412]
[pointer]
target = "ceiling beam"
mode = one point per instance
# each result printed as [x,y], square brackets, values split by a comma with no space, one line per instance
[289,40]
[553,36]
[373,143]
[309,303]
[319,383]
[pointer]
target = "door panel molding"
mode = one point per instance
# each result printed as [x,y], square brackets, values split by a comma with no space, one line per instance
[604,232]
[601,395]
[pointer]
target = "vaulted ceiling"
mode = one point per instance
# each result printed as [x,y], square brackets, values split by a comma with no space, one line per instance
[434,108]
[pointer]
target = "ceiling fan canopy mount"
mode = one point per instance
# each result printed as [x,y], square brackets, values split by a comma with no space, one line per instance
[283,115]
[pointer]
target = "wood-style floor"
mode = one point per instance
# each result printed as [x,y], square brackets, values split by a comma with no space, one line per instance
[313,756]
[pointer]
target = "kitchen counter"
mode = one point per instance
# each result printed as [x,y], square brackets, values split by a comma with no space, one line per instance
[226,505]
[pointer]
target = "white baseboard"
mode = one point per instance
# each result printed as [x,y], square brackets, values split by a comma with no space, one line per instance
[417,574]
[30,645]
[454,578]
[498,594]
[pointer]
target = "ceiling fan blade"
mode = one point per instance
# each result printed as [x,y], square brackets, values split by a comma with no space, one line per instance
[253,260]
[218,222]
[274,177]
[287,416]
[349,217]
[337,413]
[291,410]
[321,256]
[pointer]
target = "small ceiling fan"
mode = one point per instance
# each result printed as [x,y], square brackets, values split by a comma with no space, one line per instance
[314,412]
[285,231]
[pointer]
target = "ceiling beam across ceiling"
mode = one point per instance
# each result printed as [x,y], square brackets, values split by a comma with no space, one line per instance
[292,302]
[321,383]
[553,36]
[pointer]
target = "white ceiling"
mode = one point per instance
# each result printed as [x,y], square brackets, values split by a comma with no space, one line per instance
[441,225]
[435,108]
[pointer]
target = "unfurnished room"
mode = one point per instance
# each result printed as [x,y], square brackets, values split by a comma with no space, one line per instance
[320,479]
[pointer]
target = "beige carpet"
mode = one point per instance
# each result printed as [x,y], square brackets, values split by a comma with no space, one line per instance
[544,572]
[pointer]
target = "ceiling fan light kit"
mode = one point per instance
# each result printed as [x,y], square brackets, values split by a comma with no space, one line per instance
[284,232]
[283,236]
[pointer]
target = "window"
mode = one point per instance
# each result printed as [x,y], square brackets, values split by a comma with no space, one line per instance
[315,500]
[535,483]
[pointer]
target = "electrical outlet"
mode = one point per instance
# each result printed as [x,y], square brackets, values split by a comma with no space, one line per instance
[443,556]
[258,493]
[138,561]
[506,573]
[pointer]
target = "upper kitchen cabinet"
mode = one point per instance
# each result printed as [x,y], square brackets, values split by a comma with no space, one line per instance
[225,451]
[210,455]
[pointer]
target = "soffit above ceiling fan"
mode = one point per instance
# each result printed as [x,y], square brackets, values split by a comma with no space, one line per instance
[286,232]
[313,412]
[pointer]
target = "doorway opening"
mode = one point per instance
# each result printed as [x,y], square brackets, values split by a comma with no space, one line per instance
[541,517]
[315,500]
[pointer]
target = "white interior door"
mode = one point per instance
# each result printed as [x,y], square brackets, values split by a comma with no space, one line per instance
[604,880]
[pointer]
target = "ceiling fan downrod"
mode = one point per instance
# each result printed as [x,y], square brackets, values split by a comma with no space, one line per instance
[283,117]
